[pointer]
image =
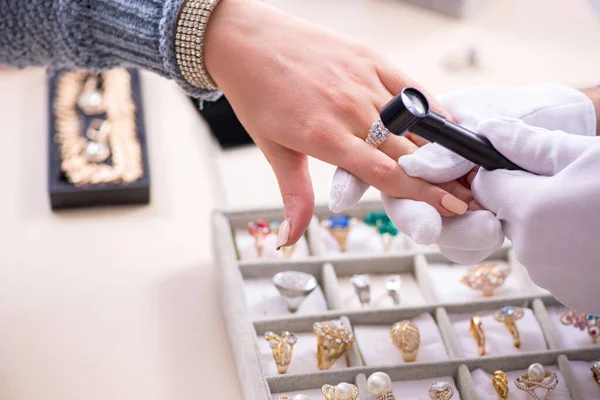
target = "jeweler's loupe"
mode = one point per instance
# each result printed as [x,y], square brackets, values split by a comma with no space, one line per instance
[410,111]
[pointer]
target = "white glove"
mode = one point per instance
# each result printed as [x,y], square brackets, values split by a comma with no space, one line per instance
[552,218]
[471,237]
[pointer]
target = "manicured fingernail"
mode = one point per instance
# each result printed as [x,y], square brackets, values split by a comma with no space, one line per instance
[453,204]
[284,233]
[474,206]
[471,176]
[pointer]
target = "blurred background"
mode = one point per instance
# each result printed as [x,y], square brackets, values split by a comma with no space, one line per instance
[115,302]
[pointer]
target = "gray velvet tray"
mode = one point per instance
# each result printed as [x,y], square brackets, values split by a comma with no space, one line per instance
[244,331]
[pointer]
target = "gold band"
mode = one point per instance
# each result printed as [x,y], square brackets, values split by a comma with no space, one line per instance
[189,42]
[478,334]
[407,339]
[500,383]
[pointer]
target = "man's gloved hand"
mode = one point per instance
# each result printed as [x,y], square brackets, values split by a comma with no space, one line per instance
[474,236]
[552,215]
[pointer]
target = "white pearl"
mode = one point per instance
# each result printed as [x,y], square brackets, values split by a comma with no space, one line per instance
[301,397]
[343,391]
[536,372]
[379,383]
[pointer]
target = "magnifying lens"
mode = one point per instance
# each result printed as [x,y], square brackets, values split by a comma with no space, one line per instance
[409,111]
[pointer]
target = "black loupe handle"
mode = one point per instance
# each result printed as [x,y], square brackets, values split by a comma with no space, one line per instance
[409,111]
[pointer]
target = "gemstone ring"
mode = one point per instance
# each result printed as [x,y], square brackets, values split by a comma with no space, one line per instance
[384,227]
[362,287]
[341,391]
[508,316]
[537,377]
[392,286]
[377,134]
[441,390]
[294,287]
[334,338]
[339,226]
[583,322]
[379,385]
[282,347]
[259,230]
[596,371]
[486,278]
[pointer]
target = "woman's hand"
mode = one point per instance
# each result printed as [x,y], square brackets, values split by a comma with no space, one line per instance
[302,90]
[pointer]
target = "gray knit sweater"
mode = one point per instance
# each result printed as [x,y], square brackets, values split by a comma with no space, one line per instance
[93,34]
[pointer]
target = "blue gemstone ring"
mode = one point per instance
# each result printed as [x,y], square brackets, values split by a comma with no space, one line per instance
[339,226]
[509,315]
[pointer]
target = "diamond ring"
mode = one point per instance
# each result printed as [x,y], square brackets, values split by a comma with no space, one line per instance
[362,287]
[294,287]
[333,339]
[377,134]
[282,347]
[441,390]
[392,286]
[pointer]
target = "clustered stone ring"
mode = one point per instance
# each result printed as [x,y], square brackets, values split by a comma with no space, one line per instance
[377,134]
[583,322]
[485,278]
[282,347]
[537,377]
[441,390]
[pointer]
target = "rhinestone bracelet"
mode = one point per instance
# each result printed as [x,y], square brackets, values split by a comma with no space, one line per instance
[189,42]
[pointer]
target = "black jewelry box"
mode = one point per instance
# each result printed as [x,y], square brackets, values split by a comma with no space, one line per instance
[64,195]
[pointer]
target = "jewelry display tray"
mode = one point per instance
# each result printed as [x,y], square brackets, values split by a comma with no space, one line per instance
[244,332]
[454,8]
[64,195]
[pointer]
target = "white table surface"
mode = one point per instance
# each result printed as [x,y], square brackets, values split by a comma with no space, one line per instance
[121,303]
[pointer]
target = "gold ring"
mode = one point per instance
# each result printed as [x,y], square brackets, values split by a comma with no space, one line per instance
[441,390]
[339,226]
[333,339]
[537,377]
[478,335]
[341,391]
[407,339]
[508,316]
[583,322]
[486,278]
[259,230]
[596,371]
[500,383]
[282,348]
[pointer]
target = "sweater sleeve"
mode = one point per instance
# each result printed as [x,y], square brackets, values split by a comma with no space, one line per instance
[94,35]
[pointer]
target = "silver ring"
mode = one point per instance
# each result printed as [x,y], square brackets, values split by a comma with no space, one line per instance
[392,286]
[377,134]
[294,287]
[362,287]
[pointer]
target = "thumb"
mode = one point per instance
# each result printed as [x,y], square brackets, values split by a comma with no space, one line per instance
[295,185]
[435,164]
[536,149]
